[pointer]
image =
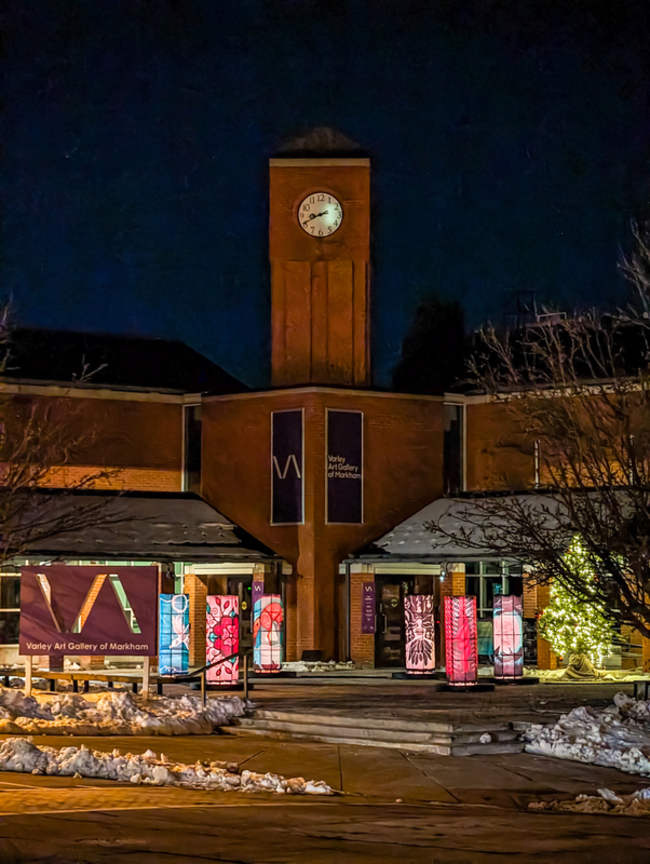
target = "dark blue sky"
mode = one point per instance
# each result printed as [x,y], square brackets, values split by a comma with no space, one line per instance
[509,145]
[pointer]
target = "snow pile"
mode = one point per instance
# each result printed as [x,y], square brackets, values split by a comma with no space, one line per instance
[636,804]
[317,666]
[21,754]
[115,714]
[616,737]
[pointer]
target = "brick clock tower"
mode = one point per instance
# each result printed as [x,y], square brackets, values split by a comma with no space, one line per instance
[321,464]
[319,248]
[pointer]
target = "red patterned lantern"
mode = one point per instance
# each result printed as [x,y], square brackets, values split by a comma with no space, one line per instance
[461,655]
[222,638]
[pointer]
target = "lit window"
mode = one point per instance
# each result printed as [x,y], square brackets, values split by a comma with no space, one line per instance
[9,608]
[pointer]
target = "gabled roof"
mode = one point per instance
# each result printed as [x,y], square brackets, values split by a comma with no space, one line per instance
[58,356]
[413,540]
[163,526]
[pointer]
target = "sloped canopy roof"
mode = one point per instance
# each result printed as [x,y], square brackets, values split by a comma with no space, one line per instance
[137,526]
[467,517]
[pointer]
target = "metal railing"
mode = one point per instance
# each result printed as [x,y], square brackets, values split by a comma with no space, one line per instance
[201,673]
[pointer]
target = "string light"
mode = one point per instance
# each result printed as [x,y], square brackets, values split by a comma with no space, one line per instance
[572,625]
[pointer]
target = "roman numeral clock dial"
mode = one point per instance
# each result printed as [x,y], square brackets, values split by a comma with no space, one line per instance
[320,214]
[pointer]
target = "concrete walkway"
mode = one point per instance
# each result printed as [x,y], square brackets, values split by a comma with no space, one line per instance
[395,808]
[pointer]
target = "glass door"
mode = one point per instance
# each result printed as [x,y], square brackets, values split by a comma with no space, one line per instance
[389,639]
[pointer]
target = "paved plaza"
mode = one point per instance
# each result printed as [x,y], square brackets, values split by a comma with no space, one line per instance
[395,806]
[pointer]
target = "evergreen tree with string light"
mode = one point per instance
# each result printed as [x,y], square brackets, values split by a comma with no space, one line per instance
[577,628]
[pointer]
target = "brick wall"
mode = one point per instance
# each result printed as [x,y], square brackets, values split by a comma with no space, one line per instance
[530,601]
[142,479]
[453,585]
[362,647]
[197,592]
[138,442]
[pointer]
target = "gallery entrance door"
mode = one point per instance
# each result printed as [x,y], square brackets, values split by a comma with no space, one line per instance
[241,586]
[389,639]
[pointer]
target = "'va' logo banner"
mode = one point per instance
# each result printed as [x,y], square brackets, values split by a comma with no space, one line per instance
[286,468]
[88,610]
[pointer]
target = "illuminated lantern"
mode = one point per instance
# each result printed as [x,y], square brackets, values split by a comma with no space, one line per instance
[461,656]
[222,638]
[267,633]
[419,627]
[508,637]
[173,634]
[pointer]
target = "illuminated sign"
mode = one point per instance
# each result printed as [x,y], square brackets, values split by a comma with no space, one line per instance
[94,611]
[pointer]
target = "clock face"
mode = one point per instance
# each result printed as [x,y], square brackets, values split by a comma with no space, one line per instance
[320,214]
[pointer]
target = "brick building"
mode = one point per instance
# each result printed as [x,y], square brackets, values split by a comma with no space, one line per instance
[306,474]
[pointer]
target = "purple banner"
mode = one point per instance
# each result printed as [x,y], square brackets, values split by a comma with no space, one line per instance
[88,610]
[286,468]
[258,590]
[368,609]
[344,467]
[256,593]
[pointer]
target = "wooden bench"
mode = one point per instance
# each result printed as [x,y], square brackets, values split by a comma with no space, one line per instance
[111,677]
[84,677]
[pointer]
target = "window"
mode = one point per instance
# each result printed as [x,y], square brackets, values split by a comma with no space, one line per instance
[454,449]
[9,608]
[487,580]
[192,448]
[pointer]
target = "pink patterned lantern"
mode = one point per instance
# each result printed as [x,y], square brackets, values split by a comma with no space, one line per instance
[222,638]
[267,633]
[419,625]
[461,656]
[508,637]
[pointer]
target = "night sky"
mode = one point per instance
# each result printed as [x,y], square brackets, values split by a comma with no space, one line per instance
[509,146]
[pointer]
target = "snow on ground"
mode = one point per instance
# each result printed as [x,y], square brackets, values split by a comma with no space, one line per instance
[616,676]
[115,713]
[636,804]
[617,736]
[317,666]
[21,754]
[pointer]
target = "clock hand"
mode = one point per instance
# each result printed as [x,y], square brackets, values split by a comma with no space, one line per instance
[316,215]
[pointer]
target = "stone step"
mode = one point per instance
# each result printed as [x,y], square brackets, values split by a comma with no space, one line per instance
[360,731]
[511,746]
[381,723]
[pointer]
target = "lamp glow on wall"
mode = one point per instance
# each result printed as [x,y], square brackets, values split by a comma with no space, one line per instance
[267,633]
[461,656]
[419,631]
[508,637]
[173,634]
[222,638]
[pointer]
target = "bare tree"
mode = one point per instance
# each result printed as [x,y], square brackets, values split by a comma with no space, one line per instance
[578,389]
[39,443]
